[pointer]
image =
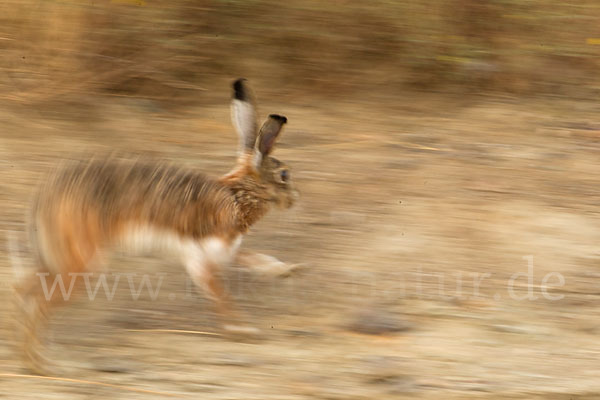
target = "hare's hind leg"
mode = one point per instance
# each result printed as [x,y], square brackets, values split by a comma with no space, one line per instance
[42,291]
[29,312]
[34,300]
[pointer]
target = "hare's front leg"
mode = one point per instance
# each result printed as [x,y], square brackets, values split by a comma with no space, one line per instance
[204,262]
[265,264]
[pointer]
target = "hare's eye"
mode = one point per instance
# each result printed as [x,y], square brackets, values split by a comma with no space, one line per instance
[285,175]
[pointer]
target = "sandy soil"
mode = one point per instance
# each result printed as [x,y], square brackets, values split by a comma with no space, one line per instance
[415,215]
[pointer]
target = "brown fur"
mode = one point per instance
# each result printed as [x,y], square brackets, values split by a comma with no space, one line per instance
[88,206]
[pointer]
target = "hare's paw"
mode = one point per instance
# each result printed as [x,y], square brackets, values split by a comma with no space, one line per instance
[274,267]
[291,269]
[242,332]
[241,329]
[269,265]
[33,359]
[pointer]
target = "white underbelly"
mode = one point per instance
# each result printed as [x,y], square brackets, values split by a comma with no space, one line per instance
[144,239]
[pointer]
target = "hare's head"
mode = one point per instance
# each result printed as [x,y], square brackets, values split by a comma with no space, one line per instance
[256,146]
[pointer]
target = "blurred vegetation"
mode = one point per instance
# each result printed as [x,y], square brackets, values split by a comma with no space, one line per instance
[175,48]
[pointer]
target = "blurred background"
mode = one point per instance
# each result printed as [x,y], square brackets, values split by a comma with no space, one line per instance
[447,155]
[162,49]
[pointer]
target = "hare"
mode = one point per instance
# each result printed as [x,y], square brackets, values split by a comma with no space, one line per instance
[89,206]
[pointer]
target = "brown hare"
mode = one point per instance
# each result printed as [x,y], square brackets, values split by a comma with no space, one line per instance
[89,206]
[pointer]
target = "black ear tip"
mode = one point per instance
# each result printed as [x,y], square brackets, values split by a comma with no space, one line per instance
[279,118]
[239,90]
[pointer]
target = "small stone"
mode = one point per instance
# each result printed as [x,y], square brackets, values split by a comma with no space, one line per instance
[374,322]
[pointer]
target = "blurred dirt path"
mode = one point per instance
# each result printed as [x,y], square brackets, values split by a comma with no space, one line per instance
[467,237]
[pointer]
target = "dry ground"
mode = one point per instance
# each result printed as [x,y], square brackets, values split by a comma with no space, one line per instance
[414,217]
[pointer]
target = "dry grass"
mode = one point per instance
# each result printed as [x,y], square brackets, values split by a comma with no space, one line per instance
[173,50]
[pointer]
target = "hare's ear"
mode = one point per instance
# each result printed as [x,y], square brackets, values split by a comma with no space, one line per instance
[269,133]
[243,116]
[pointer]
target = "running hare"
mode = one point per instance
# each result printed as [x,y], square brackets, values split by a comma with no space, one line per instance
[89,206]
